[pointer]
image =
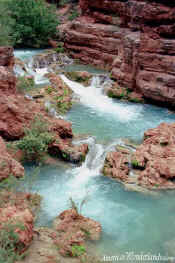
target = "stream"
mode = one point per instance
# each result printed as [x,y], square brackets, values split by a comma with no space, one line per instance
[131,221]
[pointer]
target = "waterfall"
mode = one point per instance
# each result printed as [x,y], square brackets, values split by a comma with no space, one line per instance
[94,161]
[94,97]
[37,73]
[101,81]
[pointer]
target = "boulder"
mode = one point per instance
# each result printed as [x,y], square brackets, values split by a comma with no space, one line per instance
[74,229]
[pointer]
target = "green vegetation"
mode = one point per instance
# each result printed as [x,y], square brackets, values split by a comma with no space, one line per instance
[25,84]
[36,140]
[78,250]
[10,183]
[74,14]
[78,77]
[135,163]
[28,23]
[78,206]
[10,246]
[63,102]
[49,89]
[60,48]
[6,25]
[63,106]
[63,2]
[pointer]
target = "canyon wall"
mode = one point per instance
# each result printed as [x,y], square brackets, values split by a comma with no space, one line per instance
[134,39]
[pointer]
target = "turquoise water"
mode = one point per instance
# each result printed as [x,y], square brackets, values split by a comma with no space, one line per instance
[131,222]
[106,127]
[26,53]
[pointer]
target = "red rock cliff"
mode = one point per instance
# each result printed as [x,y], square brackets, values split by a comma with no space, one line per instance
[135,39]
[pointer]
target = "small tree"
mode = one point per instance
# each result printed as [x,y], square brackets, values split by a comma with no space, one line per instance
[6,24]
[34,22]
[36,140]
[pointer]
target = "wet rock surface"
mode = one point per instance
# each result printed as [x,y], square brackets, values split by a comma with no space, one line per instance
[134,39]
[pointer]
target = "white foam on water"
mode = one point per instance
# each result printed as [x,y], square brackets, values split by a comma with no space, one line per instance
[38,73]
[94,98]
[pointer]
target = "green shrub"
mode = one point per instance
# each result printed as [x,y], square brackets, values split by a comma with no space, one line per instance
[25,84]
[63,2]
[6,24]
[74,14]
[9,243]
[78,251]
[60,48]
[49,89]
[36,140]
[135,163]
[34,22]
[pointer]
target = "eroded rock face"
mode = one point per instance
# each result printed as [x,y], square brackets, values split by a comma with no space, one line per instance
[134,39]
[152,164]
[156,156]
[8,165]
[17,112]
[116,165]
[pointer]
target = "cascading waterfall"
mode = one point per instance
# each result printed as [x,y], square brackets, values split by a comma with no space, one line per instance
[93,97]
[37,73]
[129,219]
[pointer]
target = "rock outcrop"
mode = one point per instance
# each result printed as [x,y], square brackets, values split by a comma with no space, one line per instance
[134,39]
[19,222]
[66,241]
[152,164]
[73,229]
[17,212]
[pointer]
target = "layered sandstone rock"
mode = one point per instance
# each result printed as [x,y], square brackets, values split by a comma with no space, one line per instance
[134,39]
